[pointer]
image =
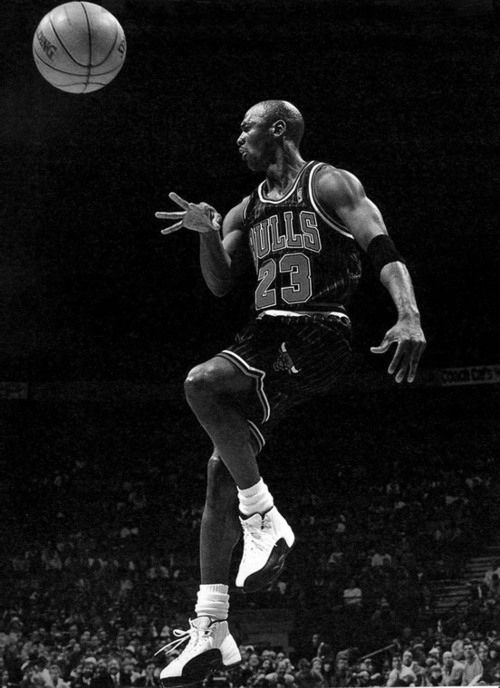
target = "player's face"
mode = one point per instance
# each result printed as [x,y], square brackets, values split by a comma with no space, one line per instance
[256,142]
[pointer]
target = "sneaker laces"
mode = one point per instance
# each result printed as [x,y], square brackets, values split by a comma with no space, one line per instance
[193,633]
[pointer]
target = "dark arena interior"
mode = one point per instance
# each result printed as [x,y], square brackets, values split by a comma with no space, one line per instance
[392,490]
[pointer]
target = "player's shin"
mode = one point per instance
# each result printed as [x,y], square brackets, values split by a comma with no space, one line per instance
[220,526]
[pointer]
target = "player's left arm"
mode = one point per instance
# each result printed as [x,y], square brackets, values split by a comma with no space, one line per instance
[341,192]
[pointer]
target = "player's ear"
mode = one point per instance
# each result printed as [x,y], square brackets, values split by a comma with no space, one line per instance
[279,127]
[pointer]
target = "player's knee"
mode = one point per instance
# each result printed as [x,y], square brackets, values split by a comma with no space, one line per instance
[202,382]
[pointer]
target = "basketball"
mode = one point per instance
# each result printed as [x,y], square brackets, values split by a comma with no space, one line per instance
[79,47]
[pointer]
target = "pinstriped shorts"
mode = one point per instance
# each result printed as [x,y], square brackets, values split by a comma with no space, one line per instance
[292,358]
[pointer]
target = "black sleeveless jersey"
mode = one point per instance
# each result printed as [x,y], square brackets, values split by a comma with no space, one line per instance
[305,259]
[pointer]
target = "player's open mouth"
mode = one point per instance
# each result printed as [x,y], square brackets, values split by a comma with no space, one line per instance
[243,153]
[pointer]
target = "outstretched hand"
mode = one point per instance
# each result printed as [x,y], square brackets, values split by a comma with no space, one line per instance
[410,344]
[199,217]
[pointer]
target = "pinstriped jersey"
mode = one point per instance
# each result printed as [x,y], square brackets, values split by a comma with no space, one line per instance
[305,259]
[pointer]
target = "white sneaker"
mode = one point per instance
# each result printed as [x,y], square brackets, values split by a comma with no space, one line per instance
[211,646]
[267,539]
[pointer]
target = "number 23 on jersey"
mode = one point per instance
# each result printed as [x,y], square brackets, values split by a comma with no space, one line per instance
[299,289]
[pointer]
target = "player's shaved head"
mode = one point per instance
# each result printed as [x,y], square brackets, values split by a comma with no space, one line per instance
[274,110]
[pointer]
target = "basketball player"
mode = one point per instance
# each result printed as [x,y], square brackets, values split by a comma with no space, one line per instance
[301,227]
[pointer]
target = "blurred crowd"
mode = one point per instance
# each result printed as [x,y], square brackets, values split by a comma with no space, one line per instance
[65,656]
[101,565]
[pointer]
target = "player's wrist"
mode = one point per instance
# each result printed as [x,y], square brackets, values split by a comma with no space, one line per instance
[211,231]
[409,314]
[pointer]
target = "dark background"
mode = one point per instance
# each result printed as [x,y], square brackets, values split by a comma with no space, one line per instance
[102,316]
[403,94]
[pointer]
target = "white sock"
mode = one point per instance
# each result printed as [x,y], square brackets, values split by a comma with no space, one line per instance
[255,499]
[213,601]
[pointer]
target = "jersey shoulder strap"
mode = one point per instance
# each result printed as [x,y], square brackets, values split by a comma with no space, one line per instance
[330,217]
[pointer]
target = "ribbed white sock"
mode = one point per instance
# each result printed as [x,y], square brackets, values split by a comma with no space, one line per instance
[213,601]
[255,499]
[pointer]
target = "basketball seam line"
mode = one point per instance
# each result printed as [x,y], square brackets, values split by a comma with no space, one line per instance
[98,64]
[89,33]
[62,71]
[63,87]
[65,48]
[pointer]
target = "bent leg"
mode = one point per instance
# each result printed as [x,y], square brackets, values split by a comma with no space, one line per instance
[217,392]
[212,390]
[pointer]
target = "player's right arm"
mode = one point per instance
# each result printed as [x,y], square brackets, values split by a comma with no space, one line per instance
[222,254]
[222,258]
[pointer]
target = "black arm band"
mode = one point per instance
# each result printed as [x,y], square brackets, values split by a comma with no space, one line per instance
[381,250]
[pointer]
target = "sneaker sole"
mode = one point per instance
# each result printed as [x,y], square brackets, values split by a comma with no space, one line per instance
[197,669]
[271,569]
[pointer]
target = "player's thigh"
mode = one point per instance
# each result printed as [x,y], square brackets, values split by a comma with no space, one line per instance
[217,376]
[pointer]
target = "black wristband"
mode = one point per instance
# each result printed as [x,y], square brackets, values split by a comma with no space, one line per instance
[381,250]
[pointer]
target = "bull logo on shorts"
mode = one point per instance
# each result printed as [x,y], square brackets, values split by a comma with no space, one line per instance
[284,362]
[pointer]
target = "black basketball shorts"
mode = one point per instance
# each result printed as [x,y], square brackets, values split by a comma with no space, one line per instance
[292,357]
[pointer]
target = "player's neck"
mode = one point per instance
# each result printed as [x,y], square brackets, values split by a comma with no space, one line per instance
[283,171]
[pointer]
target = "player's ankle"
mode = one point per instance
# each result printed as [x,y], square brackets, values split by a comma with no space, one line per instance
[255,499]
[213,601]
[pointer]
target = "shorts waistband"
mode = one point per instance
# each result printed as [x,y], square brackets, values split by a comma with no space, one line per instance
[297,314]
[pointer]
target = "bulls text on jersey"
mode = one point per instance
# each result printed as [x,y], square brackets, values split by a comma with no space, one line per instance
[277,232]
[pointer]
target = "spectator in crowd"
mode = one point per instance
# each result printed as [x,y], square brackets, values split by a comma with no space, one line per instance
[150,677]
[493,570]
[409,662]
[400,674]
[31,676]
[457,647]
[41,670]
[84,673]
[328,671]
[307,676]
[101,677]
[56,677]
[281,676]
[452,670]
[343,672]
[493,589]
[434,675]
[491,665]
[473,667]
[129,673]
